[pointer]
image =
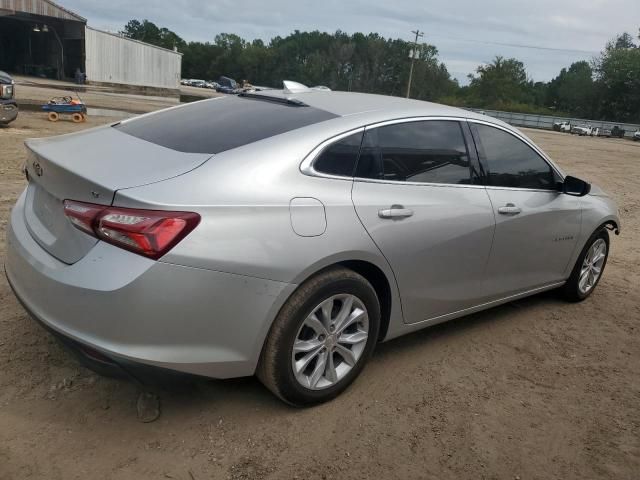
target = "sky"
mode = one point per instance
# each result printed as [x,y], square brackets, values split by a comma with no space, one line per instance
[467,33]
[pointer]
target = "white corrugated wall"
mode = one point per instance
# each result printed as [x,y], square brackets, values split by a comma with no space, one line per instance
[114,59]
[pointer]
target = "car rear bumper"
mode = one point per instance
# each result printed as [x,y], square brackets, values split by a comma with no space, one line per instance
[8,111]
[97,360]
[130,309]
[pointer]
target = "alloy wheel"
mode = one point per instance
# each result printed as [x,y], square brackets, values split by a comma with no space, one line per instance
[592,266]
[330,341]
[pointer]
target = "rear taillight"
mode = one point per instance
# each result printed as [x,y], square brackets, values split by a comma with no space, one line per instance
[151,233]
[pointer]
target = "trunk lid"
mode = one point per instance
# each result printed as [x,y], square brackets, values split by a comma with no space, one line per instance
[90,167]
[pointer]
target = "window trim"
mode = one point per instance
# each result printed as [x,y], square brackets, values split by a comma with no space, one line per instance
[306,166]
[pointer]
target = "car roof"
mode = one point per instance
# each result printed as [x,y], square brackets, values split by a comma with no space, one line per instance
[354,110]
[351,103]
[255,116]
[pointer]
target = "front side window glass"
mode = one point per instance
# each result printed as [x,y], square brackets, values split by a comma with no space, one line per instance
[510,162]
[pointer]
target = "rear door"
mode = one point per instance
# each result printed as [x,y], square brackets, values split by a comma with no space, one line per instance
[537,226]
[416,192]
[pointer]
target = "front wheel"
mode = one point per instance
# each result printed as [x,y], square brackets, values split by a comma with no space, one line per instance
[321,339]
[588,268]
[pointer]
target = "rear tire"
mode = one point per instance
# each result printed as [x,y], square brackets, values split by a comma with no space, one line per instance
[53,116]
[589,267]
[305,362]
[77,118]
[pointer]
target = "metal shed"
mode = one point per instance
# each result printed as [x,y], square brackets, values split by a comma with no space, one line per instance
[42,38]
[112,58]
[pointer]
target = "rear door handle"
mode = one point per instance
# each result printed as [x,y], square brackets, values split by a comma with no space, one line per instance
[396,211]
[509,209]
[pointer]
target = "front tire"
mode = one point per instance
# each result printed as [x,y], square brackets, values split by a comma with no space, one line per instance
[321,339]
[589,267]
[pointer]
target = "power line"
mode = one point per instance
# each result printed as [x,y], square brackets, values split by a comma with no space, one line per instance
[516,45]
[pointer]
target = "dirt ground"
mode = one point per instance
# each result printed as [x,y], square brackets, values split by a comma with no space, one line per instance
[39,91]
[536,389]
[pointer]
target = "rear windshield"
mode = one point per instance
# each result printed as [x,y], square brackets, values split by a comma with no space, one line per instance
[213,126]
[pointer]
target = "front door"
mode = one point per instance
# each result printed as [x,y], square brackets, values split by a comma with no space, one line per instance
[416,196]
[537,226]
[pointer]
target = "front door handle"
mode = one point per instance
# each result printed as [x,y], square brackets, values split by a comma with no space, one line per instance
[509,209]
[396,211]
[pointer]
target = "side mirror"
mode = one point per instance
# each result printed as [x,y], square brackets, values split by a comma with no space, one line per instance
[576,187]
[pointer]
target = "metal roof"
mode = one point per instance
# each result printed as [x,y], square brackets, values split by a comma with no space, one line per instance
[45,8]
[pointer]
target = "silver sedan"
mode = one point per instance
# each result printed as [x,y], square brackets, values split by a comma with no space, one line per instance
[285,233]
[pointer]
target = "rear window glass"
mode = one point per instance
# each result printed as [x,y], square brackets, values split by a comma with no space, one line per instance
[340,158]
[213,126]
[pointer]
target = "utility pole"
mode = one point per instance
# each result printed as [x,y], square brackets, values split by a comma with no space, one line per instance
[413,57]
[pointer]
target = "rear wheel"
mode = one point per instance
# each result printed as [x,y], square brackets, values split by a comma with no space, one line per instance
[588,268]
[77,118]
[321,339]
[53,116]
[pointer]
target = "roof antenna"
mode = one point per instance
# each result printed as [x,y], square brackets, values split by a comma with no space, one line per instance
[294,87]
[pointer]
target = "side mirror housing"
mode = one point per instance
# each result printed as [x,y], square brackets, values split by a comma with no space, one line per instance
[575,187]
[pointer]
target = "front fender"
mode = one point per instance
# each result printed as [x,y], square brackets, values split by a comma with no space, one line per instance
[598,211]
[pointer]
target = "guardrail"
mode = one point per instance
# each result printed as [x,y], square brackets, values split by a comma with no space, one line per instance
[546,121]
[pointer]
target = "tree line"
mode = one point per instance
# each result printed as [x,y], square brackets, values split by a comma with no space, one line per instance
[606,88]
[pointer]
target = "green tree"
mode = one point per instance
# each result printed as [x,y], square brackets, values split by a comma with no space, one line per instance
[609,88]
[573,91]
[624,41]
[618,82]
[499,83]
[358,62]
[149,32]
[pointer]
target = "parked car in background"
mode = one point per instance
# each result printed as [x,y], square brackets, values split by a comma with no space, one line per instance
[618,132]
[562,127]
[636,135]
[321,87]
[582,130]
[287,232]
[615,132]
[212,85]
[227,85]
[8,104]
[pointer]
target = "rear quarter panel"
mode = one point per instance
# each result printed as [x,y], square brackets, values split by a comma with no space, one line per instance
[243,196]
